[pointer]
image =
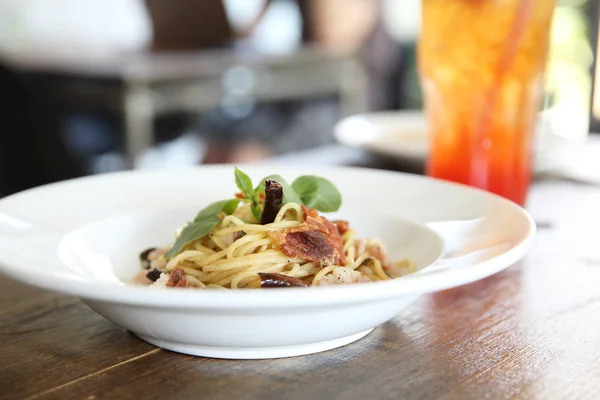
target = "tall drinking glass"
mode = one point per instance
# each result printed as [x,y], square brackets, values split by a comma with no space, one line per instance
[482,65]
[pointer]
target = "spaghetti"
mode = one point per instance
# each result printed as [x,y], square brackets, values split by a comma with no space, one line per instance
[299,247]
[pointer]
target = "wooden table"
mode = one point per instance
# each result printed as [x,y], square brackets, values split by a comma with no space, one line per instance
[532,331]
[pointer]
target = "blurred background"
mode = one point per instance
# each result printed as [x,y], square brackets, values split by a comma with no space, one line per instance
[93,86]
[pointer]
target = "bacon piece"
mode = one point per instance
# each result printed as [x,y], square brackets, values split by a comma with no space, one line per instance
[316,239]
[342,226]
[177,278]
[278,280]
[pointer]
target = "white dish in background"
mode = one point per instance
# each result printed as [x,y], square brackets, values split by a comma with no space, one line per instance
[402,135]
[396,134]
[82,237]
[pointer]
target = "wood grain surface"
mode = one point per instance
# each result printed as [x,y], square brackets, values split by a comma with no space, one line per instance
[530,332]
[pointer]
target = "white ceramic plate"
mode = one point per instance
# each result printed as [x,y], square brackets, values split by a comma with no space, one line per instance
[402,135]
[83,237]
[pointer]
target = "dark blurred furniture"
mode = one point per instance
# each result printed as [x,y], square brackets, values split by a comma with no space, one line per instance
[142,86]
[31,150]
[188,24]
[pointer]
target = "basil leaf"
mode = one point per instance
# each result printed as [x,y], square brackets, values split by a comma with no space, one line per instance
[244,183]
[318,193]
[193,231]
[206,219]
[289,194]
[212,209]
[256,212]
[230,206]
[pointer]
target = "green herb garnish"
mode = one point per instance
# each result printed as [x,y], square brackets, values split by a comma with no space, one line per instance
[204,222]
[318,193]
[244,183]
[212,210]
[311,191]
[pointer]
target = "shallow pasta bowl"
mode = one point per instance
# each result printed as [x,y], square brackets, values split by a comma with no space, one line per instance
[82,237]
